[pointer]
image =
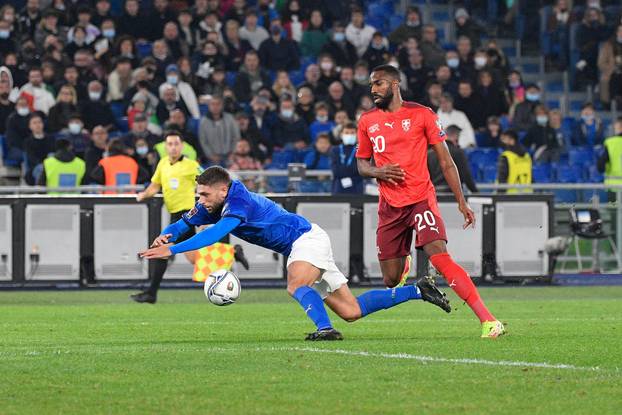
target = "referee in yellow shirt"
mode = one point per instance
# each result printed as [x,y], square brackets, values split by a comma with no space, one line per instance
[175,176]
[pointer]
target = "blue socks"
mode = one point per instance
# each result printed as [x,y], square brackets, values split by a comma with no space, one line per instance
[375,300]
[312,304]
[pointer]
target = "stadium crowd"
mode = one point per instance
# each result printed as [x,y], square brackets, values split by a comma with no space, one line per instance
[255,85]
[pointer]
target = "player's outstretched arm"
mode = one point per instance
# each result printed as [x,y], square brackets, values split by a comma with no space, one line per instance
[171,233]
[206,237]
[453,180]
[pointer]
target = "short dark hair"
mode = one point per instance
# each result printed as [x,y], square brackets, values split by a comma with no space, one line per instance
[511,133]
[214,175]
[169,133]
[116,146]
[392,71]
[349,126]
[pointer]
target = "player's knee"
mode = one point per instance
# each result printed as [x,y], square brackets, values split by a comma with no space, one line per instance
[390,281]
[350,314]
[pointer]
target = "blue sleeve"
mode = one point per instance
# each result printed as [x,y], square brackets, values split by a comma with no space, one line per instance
[198,216]
[207,236]
[236,207]
[176,229]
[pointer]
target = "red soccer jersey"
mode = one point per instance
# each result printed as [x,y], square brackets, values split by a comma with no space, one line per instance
[401,137]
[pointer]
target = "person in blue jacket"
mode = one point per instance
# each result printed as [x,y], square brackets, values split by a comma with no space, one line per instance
[346,177]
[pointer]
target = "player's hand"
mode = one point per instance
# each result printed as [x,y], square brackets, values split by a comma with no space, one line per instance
[161,240]
[469,215]
[391,173]
[140,196]
[162,252]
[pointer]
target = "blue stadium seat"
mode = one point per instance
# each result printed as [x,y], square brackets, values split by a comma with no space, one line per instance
[489,174]
[313,186]
[278,184]
[297,77]
[203,109]
[230,78]
[11,157]
[118,109]
[568,174]
[302,154]
[541,173]
[580,156]
[144,49]
[123,125]
[483,156]
[475,171]
[555,86]
[552,104]
[594,176]
[576,104]
[565,196]
[193,125]
[395,21]
[377,21]
[280,159]
[306,61]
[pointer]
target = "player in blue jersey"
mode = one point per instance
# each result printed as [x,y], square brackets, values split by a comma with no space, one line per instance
[312,276]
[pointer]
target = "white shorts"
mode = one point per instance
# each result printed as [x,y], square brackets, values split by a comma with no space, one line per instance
[314,247]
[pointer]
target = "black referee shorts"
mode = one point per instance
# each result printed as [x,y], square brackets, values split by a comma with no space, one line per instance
[191,232]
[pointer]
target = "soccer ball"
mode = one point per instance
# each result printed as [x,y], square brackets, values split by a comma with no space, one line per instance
[222,287]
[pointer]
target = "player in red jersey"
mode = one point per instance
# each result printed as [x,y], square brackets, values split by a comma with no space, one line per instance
[397,135]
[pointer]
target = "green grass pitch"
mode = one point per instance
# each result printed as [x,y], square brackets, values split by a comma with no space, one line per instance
[95,352]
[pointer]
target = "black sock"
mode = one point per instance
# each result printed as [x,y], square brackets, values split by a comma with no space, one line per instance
[159,268]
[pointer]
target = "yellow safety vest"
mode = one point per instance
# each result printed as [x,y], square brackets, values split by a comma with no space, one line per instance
[212,258]
[614,165]
[519,170]
[59,173]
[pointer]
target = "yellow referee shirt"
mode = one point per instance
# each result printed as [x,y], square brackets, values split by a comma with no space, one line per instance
[177,182]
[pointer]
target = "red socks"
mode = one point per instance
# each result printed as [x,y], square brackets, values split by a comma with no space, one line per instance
[461,283]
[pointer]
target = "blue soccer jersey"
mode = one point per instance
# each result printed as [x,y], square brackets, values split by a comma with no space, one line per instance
[263,222]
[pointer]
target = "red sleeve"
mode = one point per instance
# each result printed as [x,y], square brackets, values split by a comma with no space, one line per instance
[434,132]
[364,147]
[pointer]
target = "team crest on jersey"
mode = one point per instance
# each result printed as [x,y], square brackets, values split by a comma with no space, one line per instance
[374,128]
[406,124]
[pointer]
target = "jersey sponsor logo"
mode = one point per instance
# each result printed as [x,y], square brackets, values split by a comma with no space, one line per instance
[373,128]
[389,124]
[406,124]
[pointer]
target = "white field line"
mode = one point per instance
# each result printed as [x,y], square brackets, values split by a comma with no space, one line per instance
[88,350]
[432,359]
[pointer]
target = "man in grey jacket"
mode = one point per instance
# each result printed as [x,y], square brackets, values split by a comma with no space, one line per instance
[218,132]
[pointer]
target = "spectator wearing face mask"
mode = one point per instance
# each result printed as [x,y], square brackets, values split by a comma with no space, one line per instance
[589,132]
[339,48]
[346,178]
[278,53]
[183,89]
[541,138]
[66,106]
[322,122]
[17,129]
[377,53]
[96,111]
[289,130]
[144,155]
[524,116]
[410,28]
[76,135]
[38,145]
